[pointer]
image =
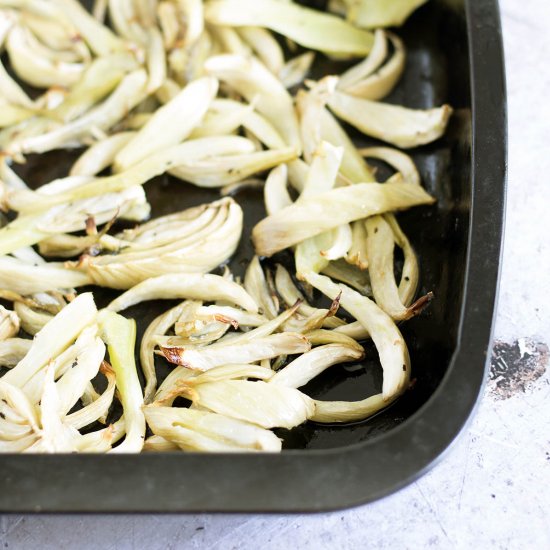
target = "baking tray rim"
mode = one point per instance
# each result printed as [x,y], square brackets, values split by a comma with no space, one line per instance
[429,430]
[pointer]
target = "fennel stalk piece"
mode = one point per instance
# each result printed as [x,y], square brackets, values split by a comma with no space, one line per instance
[194,430]
[328,210]
[261,403]
[389,342]
[55,337]
[380,13]
[392,123]
[120,336]
[308,27]
[185,286]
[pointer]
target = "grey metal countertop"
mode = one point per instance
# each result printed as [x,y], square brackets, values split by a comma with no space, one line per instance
[491,489]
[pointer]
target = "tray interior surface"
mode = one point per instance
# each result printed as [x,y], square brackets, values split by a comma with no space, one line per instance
[436,72]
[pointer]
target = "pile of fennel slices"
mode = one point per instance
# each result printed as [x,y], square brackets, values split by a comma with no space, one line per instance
[216,94]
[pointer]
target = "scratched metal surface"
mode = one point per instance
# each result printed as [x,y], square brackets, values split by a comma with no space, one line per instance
[491,490]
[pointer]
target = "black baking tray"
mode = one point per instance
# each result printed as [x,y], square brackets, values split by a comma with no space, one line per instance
[455,56]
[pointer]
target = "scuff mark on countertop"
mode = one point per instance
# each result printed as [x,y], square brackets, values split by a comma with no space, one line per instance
[516,367]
